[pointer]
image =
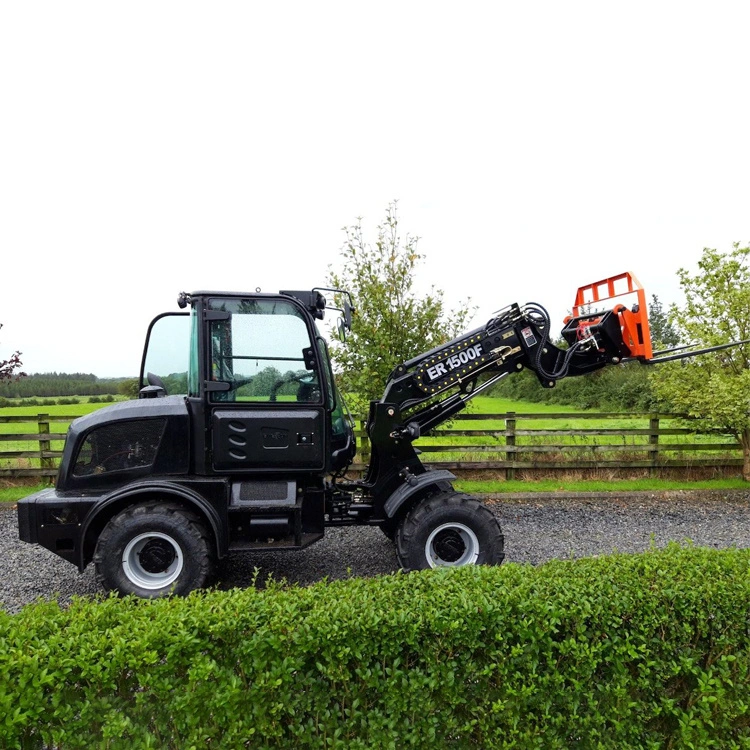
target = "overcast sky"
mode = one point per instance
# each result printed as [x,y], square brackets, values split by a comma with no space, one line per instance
[152,147]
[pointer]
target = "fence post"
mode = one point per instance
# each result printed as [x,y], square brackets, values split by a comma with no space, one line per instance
[653,441]
[44,444]
[364,444]
[510,440]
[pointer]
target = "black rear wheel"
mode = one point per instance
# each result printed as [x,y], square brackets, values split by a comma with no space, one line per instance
[153,550]
[449,529]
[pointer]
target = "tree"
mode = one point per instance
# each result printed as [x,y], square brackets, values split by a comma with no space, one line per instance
[129,387]
[391,324]
[663,333]
[714,387]
[8,367]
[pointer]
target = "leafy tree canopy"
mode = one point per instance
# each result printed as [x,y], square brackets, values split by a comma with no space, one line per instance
[392,323]
[714,387]
[663,333]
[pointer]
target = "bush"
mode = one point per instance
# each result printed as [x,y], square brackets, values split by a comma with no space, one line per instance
[4,402]
[649,650]
[626,388]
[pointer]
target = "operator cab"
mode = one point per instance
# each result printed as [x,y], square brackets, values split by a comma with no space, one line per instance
[257,379]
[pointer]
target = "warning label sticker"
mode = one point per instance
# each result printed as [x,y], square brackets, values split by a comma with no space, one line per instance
[528,336]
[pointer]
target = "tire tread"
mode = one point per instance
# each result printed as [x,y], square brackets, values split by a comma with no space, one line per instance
[412,526]
[188,521]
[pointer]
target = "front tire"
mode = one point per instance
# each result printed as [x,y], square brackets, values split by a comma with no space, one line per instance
[449,530]
[154,550]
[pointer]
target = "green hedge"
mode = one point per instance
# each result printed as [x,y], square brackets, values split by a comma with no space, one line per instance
[626,651]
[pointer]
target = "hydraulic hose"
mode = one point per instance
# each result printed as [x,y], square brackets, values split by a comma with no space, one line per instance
[540,317]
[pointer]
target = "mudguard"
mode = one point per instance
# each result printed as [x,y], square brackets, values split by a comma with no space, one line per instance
[131,494]
[417,486]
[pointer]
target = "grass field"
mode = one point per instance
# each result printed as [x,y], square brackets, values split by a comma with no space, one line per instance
[56,409]
[507,487]
[463,443]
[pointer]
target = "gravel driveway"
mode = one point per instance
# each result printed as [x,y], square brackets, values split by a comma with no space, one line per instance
[537,528]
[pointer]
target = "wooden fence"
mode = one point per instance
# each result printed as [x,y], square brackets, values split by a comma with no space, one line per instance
[37,449]
[649,443]
[507,444]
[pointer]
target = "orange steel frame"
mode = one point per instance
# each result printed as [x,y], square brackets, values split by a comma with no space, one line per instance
[633,322]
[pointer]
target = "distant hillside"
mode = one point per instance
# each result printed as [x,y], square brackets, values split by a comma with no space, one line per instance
[60,384]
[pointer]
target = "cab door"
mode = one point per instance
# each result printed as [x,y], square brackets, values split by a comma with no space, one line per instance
[265,399]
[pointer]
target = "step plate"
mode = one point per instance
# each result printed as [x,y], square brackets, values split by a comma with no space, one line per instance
[277,544]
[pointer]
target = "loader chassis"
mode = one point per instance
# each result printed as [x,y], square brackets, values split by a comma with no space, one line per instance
[155,491]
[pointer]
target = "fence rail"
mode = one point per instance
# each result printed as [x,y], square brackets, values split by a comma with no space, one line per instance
[33,453]
[650,442]
[507,448]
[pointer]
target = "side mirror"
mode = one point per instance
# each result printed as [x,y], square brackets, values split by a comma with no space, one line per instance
[347,310]
[155,380]
[341,329]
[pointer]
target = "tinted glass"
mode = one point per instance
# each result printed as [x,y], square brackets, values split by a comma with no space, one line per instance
[259,351]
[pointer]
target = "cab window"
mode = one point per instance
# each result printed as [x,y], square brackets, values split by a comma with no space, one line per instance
[168,353]
[262,349]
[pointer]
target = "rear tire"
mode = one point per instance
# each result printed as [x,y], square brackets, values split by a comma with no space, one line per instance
[448,530]
[154,550]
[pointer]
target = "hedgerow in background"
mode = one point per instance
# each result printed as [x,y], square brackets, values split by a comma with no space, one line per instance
[649,650]
[49,384]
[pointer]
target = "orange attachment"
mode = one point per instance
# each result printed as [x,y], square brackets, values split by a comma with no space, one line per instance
[633,321]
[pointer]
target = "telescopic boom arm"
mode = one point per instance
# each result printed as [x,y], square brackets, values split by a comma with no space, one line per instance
[517,338]
[429,389]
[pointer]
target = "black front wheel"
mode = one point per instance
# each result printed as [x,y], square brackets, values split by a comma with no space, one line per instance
[448,530]
[153,550]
